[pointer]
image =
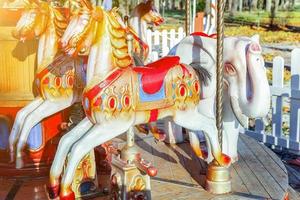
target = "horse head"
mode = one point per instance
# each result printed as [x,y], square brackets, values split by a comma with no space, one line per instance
[81,31]
[33,21]
[146,11]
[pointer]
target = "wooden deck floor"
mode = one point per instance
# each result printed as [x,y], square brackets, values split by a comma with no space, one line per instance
[259,174]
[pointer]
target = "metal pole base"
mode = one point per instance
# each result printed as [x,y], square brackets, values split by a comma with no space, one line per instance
[218,179]
[128,182]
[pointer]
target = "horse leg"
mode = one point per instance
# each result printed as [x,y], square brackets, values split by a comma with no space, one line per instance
[196,146]
[18,123]
[98,134]
[61,154]
[44,110]
[193,120]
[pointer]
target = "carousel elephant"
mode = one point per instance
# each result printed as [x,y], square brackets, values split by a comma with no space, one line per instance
[246,91]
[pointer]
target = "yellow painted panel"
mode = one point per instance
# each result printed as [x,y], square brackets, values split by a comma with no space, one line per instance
[17,69]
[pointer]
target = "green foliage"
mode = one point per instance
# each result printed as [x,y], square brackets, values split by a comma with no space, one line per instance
[200,6]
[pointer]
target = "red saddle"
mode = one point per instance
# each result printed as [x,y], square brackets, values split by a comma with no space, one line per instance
[153,74]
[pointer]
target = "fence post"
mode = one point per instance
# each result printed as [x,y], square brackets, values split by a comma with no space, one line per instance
[172,38]
[164,35]
[180,34]
[295,101]
[149,39]
[156,37]
[278,77]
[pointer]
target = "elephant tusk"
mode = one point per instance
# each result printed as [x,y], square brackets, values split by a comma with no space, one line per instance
[243,119]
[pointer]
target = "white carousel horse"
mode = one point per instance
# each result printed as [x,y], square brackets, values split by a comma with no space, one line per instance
[119,97]
[80,36]
[60,79]
[246,92]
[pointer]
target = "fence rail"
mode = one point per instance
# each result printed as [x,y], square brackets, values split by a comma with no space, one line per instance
[279,91]
[283,95]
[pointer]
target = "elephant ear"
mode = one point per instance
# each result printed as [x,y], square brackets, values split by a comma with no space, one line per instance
[255,38]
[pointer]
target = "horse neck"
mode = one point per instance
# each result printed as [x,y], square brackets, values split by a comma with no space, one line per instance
[48,42]
[139,26]
[47,47]
[102,58]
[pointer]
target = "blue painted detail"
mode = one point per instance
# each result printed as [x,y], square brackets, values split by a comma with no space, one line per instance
[86,103]
[145,97]
[4,134]
[35,138]
[83,71]
[85,187]
[172,52]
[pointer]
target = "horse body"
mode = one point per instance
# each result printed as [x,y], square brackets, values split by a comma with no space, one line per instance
[121,97]
[59,80]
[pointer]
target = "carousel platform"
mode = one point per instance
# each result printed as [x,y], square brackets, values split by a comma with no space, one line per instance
[259,174]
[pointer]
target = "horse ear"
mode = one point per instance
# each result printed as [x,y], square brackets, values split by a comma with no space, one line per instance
[255,38]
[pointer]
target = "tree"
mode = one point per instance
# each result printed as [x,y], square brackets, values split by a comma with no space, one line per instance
[240,5]
[234,7]
[254,5]
[268,5]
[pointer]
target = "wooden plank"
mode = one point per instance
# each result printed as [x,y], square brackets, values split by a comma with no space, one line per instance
[194,166]
[237,183]
[278,174]
[262,175]
[247,176]
[293,195]
[275,158]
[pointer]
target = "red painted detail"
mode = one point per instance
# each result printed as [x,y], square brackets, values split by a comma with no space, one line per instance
[57,81]
[185,71]
[41,74]
[97,102]
[112,102]
[226,159]
[99,87]
[154,73]
[153,115]
[46,80]
[126,100]
[69,196]
[182,90]
[196,86]
[204,35]
[70,80]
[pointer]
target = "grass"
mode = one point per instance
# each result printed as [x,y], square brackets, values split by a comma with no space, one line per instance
[282,18]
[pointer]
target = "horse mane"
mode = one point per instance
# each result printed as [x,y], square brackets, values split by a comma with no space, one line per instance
[60,21]
[142,9]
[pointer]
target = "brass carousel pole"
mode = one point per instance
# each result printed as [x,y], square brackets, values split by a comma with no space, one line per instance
[188,17]
[218,177]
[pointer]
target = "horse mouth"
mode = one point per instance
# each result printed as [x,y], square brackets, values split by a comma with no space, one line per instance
[158,21]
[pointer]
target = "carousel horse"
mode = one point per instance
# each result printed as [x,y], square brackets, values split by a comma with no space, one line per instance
[120,96]
[60,79]
[246,92]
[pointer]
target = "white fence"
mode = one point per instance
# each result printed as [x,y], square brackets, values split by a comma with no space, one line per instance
[282,95]
[287,96]
[161,42]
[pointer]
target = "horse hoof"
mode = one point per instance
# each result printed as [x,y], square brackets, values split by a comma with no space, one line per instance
[67,196]
[160,135]
[225,160]
[19,163]
[53,191]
